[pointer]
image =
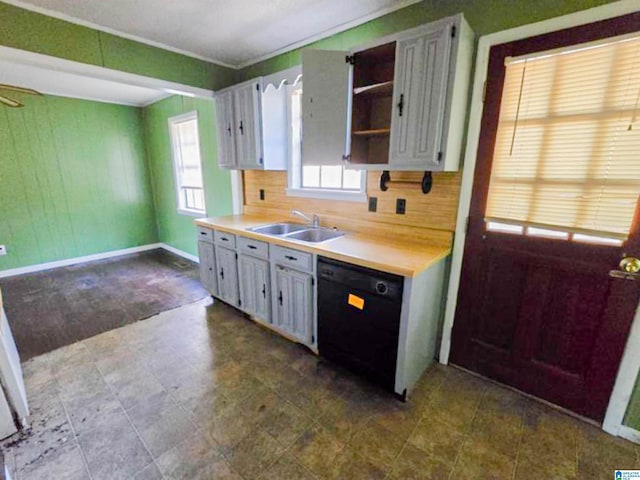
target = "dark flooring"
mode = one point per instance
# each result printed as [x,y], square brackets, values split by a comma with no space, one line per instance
[201,392]
[58,307]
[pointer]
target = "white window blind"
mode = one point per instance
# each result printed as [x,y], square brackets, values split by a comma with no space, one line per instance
[567,152]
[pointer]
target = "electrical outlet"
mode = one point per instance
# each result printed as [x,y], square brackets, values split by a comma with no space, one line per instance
[3,250]
[373,204]
[401,205]
[262,194]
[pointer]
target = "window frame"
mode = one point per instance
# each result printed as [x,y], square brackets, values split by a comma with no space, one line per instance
[294,168]
[175,156]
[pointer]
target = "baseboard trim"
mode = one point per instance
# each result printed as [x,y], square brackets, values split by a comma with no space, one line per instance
[75,260]
[39,267]
[180,253]
[629,433]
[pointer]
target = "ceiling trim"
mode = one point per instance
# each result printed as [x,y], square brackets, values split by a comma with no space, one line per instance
[327,33]
[292,46]
[112,31]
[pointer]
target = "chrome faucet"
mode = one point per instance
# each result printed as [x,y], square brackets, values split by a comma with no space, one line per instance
[314,221]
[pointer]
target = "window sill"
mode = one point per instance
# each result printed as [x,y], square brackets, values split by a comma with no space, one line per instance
[327,194]
[191,213]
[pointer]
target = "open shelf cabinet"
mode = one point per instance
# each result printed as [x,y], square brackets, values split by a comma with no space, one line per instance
[373,72]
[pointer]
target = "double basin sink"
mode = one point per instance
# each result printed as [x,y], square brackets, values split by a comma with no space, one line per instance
[295,231]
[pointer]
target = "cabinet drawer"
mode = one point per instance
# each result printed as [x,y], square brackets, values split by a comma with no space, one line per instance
[292,258]
[205,234]
[253,247]
[226,239]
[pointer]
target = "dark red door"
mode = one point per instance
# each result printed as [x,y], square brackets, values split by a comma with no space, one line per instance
[543,315]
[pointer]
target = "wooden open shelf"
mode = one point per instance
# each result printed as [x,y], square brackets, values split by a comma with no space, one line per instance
[382,89]
[373,72]
[372,133]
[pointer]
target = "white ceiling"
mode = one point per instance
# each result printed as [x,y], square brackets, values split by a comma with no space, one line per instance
[235,33]
[64,84]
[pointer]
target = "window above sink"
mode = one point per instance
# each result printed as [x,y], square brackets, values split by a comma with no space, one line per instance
[331,182]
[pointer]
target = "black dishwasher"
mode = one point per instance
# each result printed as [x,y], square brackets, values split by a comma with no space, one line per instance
[359,318]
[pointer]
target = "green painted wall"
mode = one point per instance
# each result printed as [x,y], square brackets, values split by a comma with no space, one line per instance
[73,180]
[484,16]
[632,418]
[27,30]
[176,229]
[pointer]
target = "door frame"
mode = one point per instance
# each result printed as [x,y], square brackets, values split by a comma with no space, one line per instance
[630,364]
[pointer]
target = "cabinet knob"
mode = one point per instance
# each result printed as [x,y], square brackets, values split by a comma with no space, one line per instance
[241,128]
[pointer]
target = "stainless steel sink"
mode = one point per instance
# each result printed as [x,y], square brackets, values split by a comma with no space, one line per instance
[315,235]
[279,228]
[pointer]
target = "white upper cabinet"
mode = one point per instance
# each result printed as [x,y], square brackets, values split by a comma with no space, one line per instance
[252,122]
[404,116]
[420,96]
[325,107]
[396,104]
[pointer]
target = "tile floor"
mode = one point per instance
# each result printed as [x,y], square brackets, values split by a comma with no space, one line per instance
[58,307]
[200,392]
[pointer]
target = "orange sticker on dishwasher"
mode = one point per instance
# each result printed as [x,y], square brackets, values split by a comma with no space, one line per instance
[356,301]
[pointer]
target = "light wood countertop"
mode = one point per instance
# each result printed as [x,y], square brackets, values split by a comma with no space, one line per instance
[401,257]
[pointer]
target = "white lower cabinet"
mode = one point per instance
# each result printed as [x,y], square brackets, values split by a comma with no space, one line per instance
[208,275]
[255,288]
[227,275]
[272,284]
[293,311]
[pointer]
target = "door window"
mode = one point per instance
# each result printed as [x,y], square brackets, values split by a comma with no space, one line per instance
[566,163]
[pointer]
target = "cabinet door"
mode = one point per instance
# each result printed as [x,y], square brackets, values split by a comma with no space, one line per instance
[246,283]
[294,310]
[326,107]
[275,127]
[246,99]
[208,276]
[301,305]
[282,313]
[227,275]
[226,129]
[403,118]
[431,98]
[254,286]
[422,69]
[262,289]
